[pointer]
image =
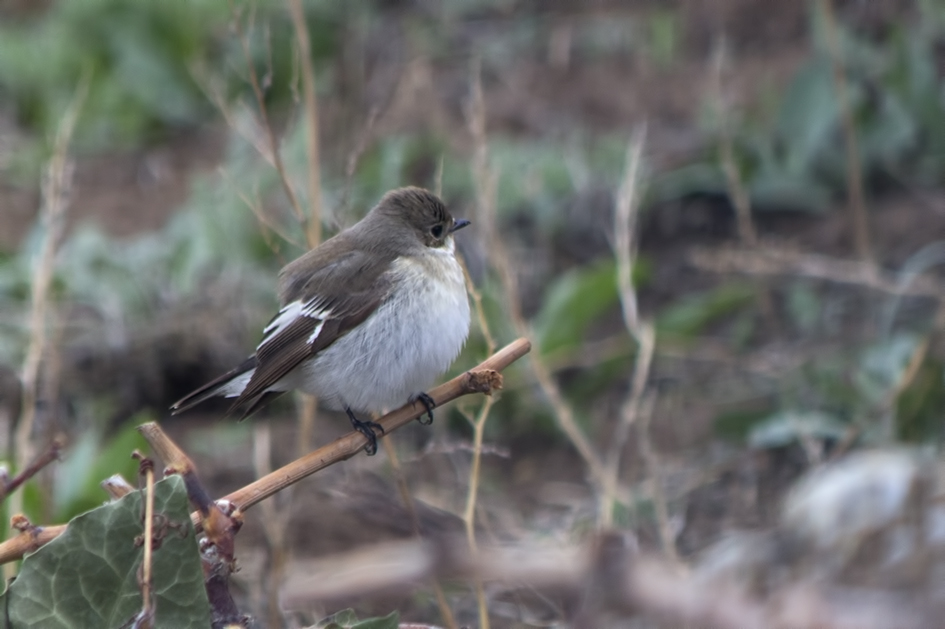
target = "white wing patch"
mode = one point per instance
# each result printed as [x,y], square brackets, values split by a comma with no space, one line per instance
[314,335]
[313,309]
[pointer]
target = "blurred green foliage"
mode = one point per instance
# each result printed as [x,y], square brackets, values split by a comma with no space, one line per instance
[790,151]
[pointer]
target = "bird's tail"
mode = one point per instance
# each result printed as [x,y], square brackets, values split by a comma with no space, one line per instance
[230,384]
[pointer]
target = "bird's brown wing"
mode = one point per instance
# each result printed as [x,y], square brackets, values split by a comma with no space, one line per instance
[333,300]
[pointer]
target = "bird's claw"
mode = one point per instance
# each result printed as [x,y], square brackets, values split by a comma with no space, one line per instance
[367,428]
[428,404]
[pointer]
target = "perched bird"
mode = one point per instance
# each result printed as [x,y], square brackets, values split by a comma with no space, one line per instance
[368,319]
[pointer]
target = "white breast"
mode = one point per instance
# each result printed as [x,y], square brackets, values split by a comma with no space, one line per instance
[402,348]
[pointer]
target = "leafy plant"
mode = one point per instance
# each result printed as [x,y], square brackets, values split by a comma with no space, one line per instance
[86,577]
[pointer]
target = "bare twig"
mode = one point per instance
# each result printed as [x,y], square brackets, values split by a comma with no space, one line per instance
[498,255]
[50,454]
[776,261]
[736,187]
[625,219]
[445,612]
[116,486]
[858,215]
[56,188]
[310,101]
[28,541]
[260,96]
[219,527]
[274,526]
[469,513]
[147,608]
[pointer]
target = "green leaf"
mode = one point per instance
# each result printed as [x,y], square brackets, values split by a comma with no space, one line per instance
[882,366]
[692,314]
[786,427]
[807,115]
[575,301]
[88,576]
[87,463]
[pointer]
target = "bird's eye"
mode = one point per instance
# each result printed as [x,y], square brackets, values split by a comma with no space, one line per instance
[437,231]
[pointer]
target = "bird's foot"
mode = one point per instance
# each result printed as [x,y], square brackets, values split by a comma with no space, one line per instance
[367,428]
[428,404]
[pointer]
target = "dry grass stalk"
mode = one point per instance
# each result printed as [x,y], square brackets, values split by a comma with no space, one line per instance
[857,203]
[310,103]
[264,122]
[146,616]
[774,261]
[55,194]
[625,220]
[44,458]
[637,409]
[275,524]
[733,179]
[445,612]
[308,408]
[499,257]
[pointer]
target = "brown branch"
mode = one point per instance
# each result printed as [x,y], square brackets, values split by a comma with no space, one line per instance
[28,541]
[116,486]
[484,378]
[51,454]
[146,616]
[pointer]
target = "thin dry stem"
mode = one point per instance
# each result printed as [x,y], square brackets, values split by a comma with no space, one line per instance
[265,124]
[778,261]
[472,496]
[857,203]
[654,473]
[445,612]
[625,221]
[147,610]
[733,179]
[56,187]
[274,523]
[310,102]
[116,486]
[485,199]
[50,454]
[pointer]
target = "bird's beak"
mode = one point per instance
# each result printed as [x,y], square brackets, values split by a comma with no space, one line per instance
[458,223]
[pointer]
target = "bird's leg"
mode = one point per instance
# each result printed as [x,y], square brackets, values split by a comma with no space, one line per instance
[428,404]
[367,429]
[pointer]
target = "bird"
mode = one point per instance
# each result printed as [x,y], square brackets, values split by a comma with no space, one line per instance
[368,319]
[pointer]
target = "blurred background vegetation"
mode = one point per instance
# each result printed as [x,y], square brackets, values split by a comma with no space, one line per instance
[166,275]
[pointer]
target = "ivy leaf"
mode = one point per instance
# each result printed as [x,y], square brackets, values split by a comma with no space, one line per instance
[88,577]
